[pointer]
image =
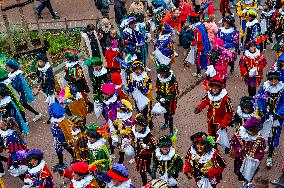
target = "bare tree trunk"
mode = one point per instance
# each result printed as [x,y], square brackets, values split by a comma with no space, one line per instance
[9,32]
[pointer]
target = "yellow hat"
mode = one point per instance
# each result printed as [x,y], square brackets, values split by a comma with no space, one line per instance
[127,104]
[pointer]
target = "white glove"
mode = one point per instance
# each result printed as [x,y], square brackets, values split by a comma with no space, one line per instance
[144,146]
[253,72]
[162,100]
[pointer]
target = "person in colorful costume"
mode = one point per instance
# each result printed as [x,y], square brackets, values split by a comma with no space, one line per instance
[242,8]
[167,92]
[203,162]
[8,108]
[113,51]
[160,10]
[253,30]
[245,110]
[271,106]
[220,109]
[173,19]
[230,35]
[218,60]
[81,175]
[61,132]
[251,67]
[14,143]
[38,174]
[185,10]
[267,23]
[202,43]
[206,9]
[79,139]
[165,45]
[20,84]
[139,80]
[121,128]
[118,175]
[121,90]
[278,18]
[144,145]
[279,66]
[247,144]
[167,161]
[99,154]
[99,77]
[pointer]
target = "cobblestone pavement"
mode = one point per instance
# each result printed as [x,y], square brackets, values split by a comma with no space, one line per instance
[185,120]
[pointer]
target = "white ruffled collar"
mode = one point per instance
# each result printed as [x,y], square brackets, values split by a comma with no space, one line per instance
[252,55]
[202,159]
[83,182]
[227,31]
[248,1]
[243,114]
[251,23]
[273,89]
[164,80]
[38,168]
[246,136]
[140,135]
[222,94]
[6,82]
[44,69]
[14,74]
[57,120]
[164,37]
[269,13]
[97,144]
[110,100]
[5,101]
[139,78]
[125,184]
[71,64]
[161,157]
[100,72]
[124,116]
[6,133]
[75,133]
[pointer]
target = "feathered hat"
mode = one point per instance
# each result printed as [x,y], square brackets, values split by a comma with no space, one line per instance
[165,141]
[116,78]
[273,75]
[216,81]
[164,68]
[55,110]
[81,168]
[34,154]
[251,43]
[252,13]
[71,55]
[92,61]
[118,172]
[3,74]
[253,124]
[137,64]
[140,120]
[125,104]
[202,137]
[108,89]
[13,64]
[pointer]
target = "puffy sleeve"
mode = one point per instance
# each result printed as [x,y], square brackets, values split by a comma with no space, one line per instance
[219,166]
[228,113]
[243,66]
[188,168]
[205,101]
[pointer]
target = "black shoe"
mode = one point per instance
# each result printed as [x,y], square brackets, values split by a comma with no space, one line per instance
[56,17]
[232,70]
[39,17]
[165,126]
[48,121]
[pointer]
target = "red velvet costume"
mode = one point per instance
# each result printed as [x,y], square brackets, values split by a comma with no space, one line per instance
[111,62]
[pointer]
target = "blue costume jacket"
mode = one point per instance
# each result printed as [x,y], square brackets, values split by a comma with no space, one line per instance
[46,77]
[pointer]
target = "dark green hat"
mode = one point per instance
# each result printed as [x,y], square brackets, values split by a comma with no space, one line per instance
[92,61]
[164,68]
[164,141]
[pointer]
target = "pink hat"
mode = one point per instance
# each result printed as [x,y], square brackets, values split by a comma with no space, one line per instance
[108,89]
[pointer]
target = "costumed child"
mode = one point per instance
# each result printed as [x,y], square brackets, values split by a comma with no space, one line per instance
[253,30]
[20,84]
[79,139]
[202,43]
[38,174]
[118,175]
[279,66]
[144,145]
[230,36]
[121,128]
[160,10]
[164,47]
[8,108]
[167,161]
[242,8]
[278,18]
[270,102]
[14,144]
[167,92]
[110,105]
[121,89]
[75,105]
[218,59]
[81,175]
[251,67]
[61,132]
[99,77]
[220,108]
[46,79]
[247,146]
[203,162]
[266,23]
[245,110]
[140,82]
[99,154]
